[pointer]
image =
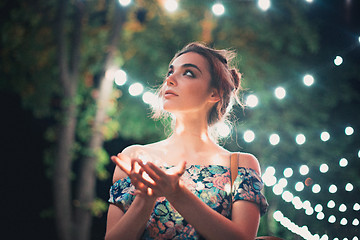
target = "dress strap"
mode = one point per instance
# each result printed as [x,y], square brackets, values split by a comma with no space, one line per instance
[234,163]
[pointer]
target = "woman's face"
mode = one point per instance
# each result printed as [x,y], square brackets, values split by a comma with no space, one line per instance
[187,87]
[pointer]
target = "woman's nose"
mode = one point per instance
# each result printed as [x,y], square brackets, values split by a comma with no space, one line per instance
[170,81]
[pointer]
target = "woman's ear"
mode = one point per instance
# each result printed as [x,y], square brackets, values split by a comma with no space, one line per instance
[215,96]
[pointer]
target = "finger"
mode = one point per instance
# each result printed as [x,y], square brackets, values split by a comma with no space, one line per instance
[178,169]
[124,166]
[149,172]
[182,168]
[152,167]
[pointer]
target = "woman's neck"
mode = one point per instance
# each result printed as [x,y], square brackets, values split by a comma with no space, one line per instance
[191,135]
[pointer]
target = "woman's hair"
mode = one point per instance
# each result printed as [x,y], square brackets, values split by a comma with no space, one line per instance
[225,78]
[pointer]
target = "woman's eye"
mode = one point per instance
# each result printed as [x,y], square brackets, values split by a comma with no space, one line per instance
[189,73]
[169,73]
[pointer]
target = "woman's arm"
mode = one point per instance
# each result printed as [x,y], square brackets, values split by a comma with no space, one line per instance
[132,223]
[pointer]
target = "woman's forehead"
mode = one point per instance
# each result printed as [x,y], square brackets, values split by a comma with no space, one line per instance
[191,58]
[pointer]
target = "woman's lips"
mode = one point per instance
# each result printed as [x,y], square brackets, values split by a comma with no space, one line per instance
[170,93]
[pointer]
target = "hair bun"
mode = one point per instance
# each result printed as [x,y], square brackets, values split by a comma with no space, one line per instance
[236,76]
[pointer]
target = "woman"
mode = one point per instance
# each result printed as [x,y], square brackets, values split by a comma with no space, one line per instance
[180,188]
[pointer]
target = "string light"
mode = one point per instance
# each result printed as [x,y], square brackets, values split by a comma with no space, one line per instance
[324,168]
[124,3]
[136,89]
[349,131]
[264,4]
[349,187]
[308,80]
[274,139]
[280,92]
[288,172]
[324,136]
[331,204]
[343,162]
[223,129]
[299,186]
[304,169]
[300,139]
[316,188]
[218,9]
[338,60]
[120,77]
[252,101]
[171,5]
[249,136]
[332,188]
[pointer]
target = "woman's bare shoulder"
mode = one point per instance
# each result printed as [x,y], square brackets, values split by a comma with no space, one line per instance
[129,151]
[248,160]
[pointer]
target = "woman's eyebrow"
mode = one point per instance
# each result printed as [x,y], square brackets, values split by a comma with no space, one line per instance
[187,65]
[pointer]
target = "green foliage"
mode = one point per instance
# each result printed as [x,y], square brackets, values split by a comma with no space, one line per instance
[98,207]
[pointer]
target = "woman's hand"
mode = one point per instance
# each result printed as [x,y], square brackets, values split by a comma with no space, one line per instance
[161,183]
[135,173]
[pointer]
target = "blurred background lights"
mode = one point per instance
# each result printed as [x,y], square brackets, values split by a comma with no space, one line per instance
[309,1]
[124,3]
[274,139]
[296,201]
[171,5]
[324,136]
[342,208]
[356,207]
[324,168]
[304,169]
[264,4]
[332,219]
[277,215]
[308,80]
[299,186]
[149,98]
[349,187]
[306,204]
[282,182]
[270,170]
[136,89]
[277,189]
[343,221]
[287,196]
[249,136]
[343,162]
[355,222]
[218,9]
[331,204]
[288,172]
[309,211]
[269,180]
[223,129]
[316,188]
[280,92]
[332,188]
[318,208]
[252,101]
[300,139]
[120,77]
[349,130]
[338,60]
[320,216]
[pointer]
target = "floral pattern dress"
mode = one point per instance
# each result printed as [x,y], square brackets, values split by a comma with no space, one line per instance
[211,183]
